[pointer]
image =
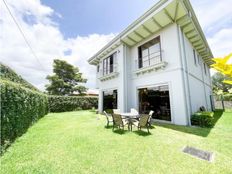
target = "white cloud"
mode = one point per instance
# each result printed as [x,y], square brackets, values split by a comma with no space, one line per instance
[213,14]
[47,42]
[215,18]
[221,42]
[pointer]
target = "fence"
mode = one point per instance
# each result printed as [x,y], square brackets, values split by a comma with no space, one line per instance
[218,102]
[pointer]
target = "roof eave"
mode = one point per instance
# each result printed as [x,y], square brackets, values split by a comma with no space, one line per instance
[189,6]
[188,15]
[118,37]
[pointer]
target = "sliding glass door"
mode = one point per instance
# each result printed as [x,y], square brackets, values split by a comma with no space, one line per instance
[156,99]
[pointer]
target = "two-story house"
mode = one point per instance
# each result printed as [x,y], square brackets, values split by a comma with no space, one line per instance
[160,62]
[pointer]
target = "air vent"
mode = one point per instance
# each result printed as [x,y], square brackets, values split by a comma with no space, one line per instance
[208,156]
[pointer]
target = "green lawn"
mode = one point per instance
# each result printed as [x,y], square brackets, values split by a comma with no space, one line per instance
[78,142]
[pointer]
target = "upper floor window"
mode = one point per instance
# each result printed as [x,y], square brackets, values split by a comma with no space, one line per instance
[109,64]
[198,59]
[205,68]
[194,56]
[149,53]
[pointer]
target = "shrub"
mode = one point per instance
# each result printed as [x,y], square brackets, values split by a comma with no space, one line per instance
[227,97]
[203,119]
[7,73]
[20,107]
[71,103]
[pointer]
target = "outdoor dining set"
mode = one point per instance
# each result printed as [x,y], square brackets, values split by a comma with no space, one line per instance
[120,120]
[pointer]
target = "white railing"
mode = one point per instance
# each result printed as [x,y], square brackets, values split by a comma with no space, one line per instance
[108,71]
[152,62]
[149,60]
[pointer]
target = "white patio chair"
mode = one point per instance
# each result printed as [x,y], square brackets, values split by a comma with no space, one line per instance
[134,111]
[116,111]
[150,116]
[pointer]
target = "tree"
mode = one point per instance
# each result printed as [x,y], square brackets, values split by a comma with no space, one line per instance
[223,66]
[218,82]
[66,79]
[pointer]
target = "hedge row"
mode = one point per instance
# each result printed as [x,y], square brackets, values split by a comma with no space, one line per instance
[71,103]
[227,97]
[6,73]
[203,119]
[20,108]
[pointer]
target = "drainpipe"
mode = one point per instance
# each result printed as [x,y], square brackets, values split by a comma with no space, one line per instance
[203,81]
[125,76]
[185,78]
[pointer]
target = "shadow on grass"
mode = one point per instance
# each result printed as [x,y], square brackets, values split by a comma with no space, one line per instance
[119,131]
[123,131]
[109,127]
[142,133]
[116,130]
[199,131]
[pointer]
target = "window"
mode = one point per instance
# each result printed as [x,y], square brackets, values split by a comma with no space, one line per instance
[110,99]
[205,66]
[98,68]
[194,56]
[198,59]
[149,53]
[109,64]
[156,99]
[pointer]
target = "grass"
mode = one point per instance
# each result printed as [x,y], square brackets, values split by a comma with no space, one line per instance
[78,142]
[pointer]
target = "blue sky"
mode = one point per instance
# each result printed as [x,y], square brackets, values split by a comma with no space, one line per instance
[84,17]
[74,30]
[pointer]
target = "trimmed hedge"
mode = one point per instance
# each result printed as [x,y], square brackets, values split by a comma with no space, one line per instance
[227,97]
[203,119]
[71,103]
[20,108]
[6,73]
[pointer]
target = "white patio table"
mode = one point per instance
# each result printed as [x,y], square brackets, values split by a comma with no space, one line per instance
[130,116]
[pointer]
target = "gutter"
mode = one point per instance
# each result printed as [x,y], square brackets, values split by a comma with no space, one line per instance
[184,73]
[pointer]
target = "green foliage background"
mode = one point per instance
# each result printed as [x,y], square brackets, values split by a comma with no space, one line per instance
[203,119]
[65,80]
[6,73]
[22,105]
[71,103]
[20,108]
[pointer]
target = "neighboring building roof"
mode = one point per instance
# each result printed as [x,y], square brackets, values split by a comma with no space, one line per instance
[162,14]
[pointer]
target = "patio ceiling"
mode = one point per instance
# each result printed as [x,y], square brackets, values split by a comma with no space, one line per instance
[158,17]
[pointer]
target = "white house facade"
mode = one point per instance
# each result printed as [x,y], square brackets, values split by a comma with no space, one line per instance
[160,62]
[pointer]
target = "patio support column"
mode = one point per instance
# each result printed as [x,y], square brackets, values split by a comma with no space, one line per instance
[100,101]
[122,93]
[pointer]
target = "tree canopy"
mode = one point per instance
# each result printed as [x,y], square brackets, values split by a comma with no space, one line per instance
[217,81]
[66,79]
[223,66]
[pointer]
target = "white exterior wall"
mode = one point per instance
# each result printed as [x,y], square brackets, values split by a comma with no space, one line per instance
[174,75]
[170,75]
[199,82]
[114,83]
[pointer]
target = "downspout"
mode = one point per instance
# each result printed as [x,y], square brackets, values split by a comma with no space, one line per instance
[125,76]
[184,73]
[203,79]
